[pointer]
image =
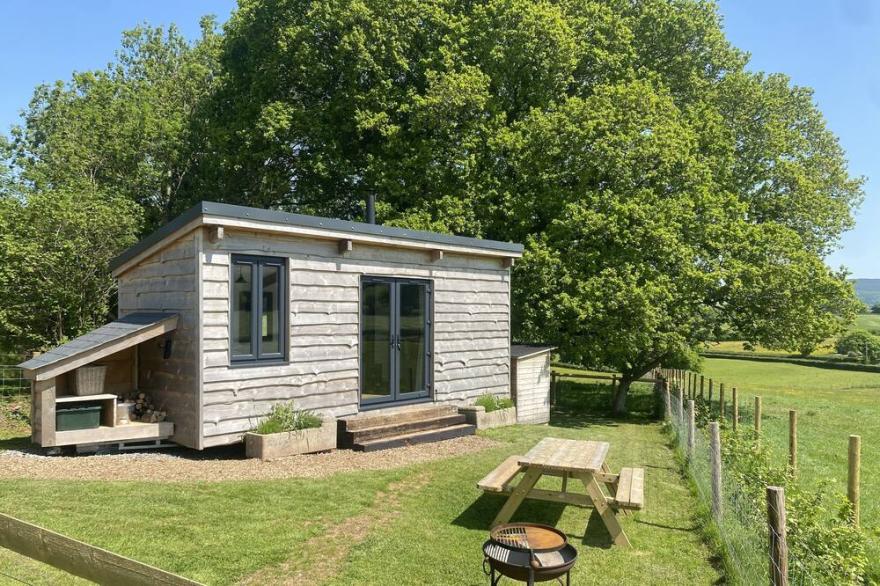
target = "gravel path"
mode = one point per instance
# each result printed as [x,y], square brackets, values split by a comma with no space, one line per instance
[227,464]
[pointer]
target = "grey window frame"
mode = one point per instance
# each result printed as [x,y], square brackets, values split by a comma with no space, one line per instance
[257,262]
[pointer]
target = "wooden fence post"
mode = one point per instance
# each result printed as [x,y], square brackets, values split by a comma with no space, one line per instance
[715,444]
[691,430]
[711,384]
[667,400]
[735,409]
[702,385]
[721,401]
[553,389]
[757,416]
[680,408]
[777,530]
[792,441]
[852,485]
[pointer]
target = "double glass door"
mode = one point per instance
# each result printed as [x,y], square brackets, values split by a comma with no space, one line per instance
[395,339]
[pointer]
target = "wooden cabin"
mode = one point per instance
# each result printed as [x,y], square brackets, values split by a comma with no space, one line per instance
[228,310]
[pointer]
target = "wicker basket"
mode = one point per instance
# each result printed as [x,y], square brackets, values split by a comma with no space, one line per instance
[89,380]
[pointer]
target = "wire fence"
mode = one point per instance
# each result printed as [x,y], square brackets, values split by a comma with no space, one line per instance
[12,381]
[746,501]
[741,525]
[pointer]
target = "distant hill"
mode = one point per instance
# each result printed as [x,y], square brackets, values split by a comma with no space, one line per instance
[868,290]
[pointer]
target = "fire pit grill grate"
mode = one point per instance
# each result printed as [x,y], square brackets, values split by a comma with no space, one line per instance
[528,552]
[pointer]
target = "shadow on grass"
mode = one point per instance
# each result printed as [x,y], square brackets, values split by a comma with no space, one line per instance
[580,405]
[480,514]
[16,443]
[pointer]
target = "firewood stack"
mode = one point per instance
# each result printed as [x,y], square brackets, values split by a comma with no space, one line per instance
[144,410]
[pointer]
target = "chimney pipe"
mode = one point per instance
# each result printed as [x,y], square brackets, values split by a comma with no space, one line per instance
[371,209]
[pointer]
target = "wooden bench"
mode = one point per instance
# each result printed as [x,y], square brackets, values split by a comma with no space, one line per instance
[630,493]
[498,479]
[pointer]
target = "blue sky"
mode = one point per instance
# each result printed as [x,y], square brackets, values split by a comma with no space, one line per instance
[832,46]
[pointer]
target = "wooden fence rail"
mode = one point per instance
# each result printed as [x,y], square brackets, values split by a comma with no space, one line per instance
[81,559]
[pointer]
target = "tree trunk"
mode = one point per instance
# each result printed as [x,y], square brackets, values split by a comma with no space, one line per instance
[619,405]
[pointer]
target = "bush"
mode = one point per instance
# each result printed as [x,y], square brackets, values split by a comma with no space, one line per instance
[824,546]
[284,417]
[862,343]
[493,403]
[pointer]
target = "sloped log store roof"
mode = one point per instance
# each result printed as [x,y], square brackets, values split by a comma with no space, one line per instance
[524,350]
[104,341]
[245,218]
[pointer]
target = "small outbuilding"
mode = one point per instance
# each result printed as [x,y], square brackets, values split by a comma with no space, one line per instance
[530,382]
[228,310]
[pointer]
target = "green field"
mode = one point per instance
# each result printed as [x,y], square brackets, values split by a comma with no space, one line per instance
[737,346]
[868,321]
[361,527]
[864,321]
[831,405]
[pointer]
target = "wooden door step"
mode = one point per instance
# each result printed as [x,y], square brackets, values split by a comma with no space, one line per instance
[419,437]
[395,415]
[402,427]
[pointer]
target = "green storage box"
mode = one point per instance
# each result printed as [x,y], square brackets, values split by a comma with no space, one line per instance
[70,418]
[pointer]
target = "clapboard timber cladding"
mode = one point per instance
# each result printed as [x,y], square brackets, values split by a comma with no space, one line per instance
[471,325]
[173,381]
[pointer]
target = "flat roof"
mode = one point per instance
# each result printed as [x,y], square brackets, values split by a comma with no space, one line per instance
[330,225]
[524,350]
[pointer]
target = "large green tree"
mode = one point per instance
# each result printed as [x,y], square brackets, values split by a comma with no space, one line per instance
[665,193]
[55,248]
[125,129]
[96,161]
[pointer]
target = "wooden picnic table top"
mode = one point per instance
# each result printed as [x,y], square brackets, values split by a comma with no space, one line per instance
[565,455]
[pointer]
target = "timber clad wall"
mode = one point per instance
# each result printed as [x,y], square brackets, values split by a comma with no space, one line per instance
[532,387]
[471,328]
[167,281]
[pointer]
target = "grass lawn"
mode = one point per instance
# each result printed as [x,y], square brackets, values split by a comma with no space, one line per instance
[366,527]
[831,405]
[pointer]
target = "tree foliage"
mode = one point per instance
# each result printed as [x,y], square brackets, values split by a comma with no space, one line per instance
[55,247]
[861,343]
[126,129]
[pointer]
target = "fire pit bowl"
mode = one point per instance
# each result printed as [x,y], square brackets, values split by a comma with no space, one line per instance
[528,552]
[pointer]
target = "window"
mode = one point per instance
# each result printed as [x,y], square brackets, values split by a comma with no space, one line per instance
[258,318]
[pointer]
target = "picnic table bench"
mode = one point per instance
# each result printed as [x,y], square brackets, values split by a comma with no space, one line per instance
[582,460]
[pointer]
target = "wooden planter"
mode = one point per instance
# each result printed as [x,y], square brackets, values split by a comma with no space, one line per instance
[290,443]
[476,415]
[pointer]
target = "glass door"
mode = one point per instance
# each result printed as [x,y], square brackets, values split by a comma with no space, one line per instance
[395,339]
[377,341]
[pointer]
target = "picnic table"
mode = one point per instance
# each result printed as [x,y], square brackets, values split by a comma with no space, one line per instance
[581,460]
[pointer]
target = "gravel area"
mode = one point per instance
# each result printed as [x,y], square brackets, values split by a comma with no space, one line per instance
[223,464]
